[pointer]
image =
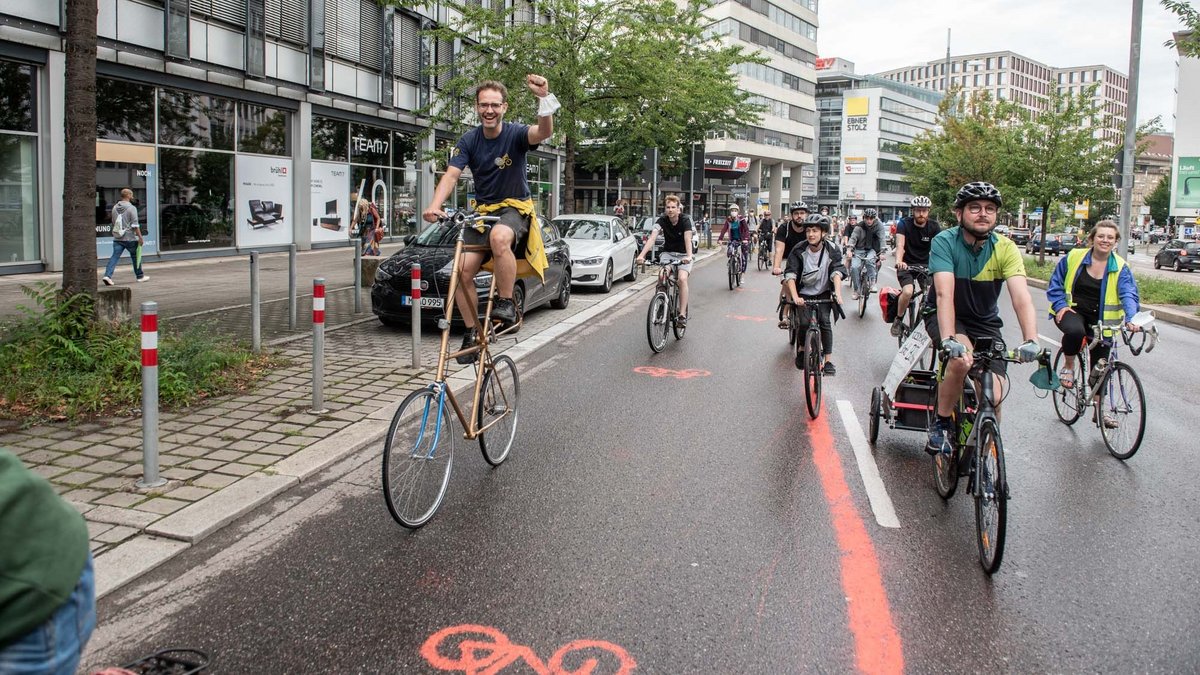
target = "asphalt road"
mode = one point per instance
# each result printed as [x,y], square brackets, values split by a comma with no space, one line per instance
[679,512]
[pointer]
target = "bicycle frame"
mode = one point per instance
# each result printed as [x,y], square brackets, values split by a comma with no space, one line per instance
[982,382]
[444,392]
[862,274]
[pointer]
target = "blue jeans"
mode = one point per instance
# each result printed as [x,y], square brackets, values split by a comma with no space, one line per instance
[118,248]
[55,646]
[864,264]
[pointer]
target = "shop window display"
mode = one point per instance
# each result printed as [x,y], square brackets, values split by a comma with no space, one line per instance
[196,198]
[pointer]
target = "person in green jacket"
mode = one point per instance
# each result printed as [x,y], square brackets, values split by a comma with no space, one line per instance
[47,587]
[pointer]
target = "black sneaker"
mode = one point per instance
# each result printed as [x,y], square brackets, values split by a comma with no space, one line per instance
[799,360]
[829,369]
[468,342]
[505,310]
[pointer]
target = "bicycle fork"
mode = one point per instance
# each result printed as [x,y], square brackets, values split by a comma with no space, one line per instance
[440,390]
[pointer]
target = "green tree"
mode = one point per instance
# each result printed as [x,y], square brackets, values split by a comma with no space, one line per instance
[79,175]
[976,140]
[1189,44]
[1159,200]
[625,83]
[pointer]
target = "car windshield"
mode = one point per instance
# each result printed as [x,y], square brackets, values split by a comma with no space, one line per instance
[586,229]
[438,234]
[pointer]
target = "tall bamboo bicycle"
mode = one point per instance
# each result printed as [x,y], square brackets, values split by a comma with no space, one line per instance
[419,450]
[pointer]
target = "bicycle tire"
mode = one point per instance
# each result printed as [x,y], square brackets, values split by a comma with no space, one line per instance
[676,328]
[499,397]
[991,497]
[729,267]
[409,464]
[874,415]
[656,322]
[762,262]
[945,466]
[812,373]
[1129,409]
[863,297]
[1068,404]
[793,324]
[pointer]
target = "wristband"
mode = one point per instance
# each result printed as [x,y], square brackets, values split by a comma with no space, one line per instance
[548,105]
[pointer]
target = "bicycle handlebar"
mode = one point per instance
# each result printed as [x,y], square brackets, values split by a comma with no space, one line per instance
[460,219]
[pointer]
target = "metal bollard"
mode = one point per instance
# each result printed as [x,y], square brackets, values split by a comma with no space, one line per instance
[318,370]
[255,307]
[292,287]
[357,279]
[416,315]
[150,477]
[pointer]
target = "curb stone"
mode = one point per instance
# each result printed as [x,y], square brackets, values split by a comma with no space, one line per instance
[179,531]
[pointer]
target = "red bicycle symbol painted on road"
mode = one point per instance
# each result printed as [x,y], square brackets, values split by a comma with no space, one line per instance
[482,650]
[685,374]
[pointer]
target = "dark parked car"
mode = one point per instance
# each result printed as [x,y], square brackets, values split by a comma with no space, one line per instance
[1056,244]
[1179,255]
[1019,235]
[391,295]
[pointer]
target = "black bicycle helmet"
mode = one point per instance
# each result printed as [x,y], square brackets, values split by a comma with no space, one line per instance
[977,191]
[818,220]
[800,206]
[870,213]
[921,202]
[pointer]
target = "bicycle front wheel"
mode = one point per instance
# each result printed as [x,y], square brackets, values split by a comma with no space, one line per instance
[498,405]
[1069,403]
[417,457]
[677,328]
[1122,411]
[864,294]
[656,322]
[731,267]
[812,373]
[991,497]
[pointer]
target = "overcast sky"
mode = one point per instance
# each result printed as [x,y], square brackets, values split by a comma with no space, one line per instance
[879,35]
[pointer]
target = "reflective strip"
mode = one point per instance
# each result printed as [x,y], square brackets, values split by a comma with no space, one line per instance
[318,304]
[150,340]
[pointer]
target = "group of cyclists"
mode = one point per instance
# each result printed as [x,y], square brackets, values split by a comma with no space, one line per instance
[968,263]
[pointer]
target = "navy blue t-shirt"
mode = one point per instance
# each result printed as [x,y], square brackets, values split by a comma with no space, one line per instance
[497,164]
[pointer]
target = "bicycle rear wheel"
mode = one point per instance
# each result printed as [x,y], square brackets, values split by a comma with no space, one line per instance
[812,373]
[875,413]
[1069,403]
[417,457]
[991,497]
[676,328]
[656,322]
[498,400]
[1122,399]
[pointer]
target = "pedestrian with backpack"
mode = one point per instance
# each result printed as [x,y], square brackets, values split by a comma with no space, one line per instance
[127,236]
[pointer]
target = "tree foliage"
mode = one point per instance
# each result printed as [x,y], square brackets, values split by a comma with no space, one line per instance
[1159,200]
[626,82]
[1189,45]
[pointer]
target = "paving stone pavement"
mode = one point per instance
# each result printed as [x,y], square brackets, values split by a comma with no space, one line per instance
[210,447]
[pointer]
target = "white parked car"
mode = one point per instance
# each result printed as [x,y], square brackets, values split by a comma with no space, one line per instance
[602,248]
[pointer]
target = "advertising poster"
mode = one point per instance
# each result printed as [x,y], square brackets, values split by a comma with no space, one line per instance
[330,202]
[119,167]
[264,201]
[1187,183]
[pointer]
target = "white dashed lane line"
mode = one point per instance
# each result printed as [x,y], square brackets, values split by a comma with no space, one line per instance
[881,503]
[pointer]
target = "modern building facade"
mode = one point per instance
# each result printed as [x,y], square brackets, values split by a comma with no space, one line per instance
[238,125]
[1150,167]
[865,123]
[1009,76]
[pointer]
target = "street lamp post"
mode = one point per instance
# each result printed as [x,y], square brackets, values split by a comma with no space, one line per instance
[1135,58]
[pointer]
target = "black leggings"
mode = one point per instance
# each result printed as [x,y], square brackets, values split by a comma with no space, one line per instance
[1075,327]
[824,320]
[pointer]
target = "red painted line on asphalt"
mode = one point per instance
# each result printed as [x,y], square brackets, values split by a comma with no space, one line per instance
[739,317]
[686,374]
[877,645]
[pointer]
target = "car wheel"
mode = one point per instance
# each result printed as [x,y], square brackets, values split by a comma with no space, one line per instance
[632,276]
[608,278]
[1157,263]
[1176,266]
[564,293]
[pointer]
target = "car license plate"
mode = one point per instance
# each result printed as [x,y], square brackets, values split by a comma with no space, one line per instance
[436,303]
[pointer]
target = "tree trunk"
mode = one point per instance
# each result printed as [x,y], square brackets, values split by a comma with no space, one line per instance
[79,180]
[568,202]
[1045,230]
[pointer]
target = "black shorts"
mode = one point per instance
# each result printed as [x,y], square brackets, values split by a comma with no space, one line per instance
[906,277]
[510,217]
[974,333]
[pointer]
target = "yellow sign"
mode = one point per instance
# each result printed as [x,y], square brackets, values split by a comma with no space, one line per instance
[1082,209]
[857,106]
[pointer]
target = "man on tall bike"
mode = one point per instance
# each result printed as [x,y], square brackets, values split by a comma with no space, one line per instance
[814,271]
[738,230]
[677,246]
[788,236]
[496,152]
[865,247]
[914,234]
[970,265]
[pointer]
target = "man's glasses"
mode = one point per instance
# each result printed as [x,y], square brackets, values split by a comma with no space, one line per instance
[976,209]
[489,106]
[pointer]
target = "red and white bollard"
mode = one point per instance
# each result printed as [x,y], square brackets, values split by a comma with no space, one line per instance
[416,315]
[150,477]
[318,370]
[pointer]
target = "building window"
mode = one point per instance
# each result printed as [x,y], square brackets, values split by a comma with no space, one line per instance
[894,186]
[891,165]
[196,197]
[195,120]
[124,111]
[19,235]
[263,130]
[330,139]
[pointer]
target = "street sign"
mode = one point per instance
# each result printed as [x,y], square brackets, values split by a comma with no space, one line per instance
[1038,210]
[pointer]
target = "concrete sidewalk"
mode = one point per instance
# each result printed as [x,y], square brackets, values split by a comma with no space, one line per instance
[234,453]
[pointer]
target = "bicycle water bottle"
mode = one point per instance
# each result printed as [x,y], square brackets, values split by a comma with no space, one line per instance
[964,431]
[1097,371]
